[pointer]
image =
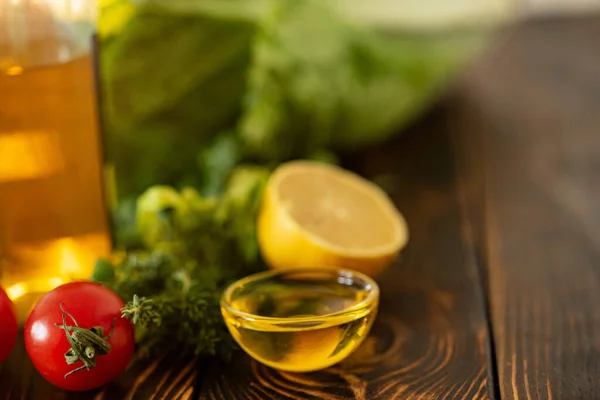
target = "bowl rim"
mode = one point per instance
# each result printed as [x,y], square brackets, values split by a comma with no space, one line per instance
[369,301]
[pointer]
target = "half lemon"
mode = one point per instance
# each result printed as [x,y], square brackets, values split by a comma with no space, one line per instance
[314,214]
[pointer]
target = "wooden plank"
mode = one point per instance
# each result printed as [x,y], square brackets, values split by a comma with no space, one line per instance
[540,94]
[430,340]
[171,377]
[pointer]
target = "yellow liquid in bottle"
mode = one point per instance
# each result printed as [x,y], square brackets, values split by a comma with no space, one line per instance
[53,220]
[311,347]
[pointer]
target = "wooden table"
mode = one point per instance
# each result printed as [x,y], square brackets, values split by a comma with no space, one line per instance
[498,293]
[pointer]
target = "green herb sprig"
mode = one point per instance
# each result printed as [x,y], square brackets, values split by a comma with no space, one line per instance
[189,249]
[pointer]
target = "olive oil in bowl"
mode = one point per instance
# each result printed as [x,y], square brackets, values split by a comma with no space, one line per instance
[301,320]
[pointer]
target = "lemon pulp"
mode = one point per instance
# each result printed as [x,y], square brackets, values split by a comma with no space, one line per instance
[315,214]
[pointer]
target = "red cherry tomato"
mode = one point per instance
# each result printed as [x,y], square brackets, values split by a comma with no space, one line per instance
[8,326]
[90,305]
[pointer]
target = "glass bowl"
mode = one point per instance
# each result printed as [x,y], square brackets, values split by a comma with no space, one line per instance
[301,319]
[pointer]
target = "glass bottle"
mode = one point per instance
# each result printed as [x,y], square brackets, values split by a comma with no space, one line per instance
[53,220]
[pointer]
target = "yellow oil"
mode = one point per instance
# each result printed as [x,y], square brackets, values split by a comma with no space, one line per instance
[320,341]
[53,220]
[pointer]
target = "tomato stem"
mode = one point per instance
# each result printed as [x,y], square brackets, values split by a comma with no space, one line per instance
[86,344]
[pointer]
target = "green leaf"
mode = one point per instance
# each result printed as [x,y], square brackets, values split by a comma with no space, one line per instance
[124,224]
[319,80]
[217,161]
[104,271]
[155,214]
[239,208]
[171,82]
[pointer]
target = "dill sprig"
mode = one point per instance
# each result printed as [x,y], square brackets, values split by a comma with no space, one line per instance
[189,249]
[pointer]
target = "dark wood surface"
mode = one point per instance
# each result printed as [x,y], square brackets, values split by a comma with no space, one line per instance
[496,295]
[172,377]
[541,113]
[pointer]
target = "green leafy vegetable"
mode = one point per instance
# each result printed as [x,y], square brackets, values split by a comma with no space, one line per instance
[194,87]
[191,247]
[240,205]
[171,83]
[217,161]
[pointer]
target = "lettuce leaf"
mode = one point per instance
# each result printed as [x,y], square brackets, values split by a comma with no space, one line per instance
[170,83]
[287,79]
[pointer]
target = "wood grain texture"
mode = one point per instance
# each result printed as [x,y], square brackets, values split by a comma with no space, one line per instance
[430,340]
[540,97]
[170,377]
